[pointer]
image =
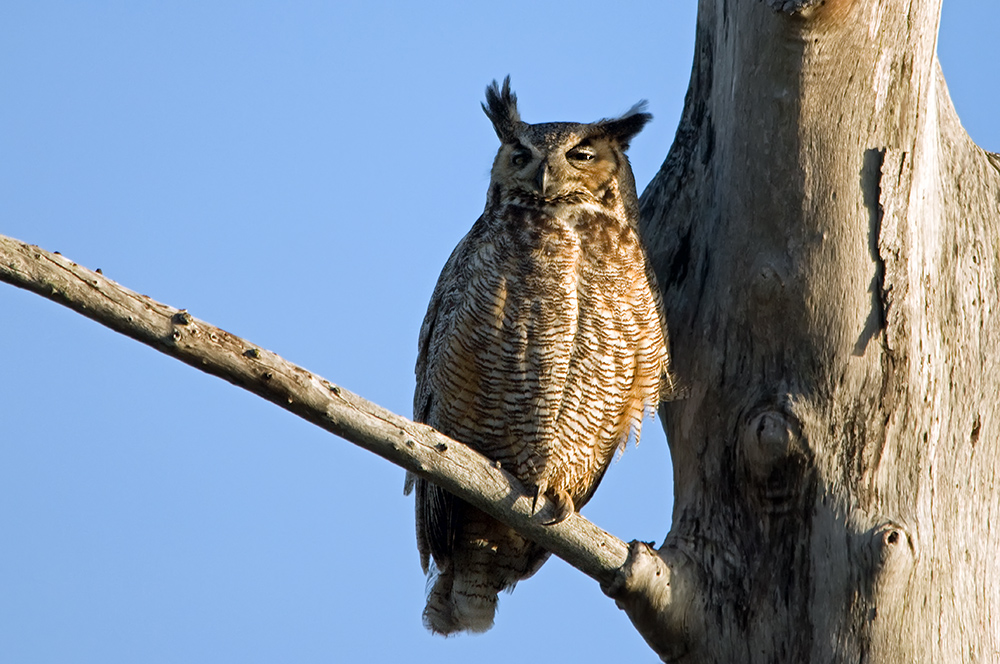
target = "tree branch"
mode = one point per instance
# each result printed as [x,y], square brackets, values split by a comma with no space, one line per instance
[416,447]
[657,590]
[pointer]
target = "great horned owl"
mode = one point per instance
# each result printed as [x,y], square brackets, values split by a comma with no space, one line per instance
[543,346]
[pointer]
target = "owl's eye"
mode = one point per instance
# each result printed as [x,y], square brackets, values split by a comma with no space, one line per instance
[520,157]
[581,154]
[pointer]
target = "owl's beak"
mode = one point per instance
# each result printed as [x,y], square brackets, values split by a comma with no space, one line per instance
[542,176]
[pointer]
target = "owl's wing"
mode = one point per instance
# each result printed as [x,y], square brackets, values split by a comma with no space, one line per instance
[436,509]
[438,321]
[670,389]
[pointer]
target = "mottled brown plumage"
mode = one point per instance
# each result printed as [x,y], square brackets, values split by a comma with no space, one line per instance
[543,346]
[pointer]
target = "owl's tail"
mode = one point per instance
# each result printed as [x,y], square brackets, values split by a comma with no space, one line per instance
[457,603]
[489,558]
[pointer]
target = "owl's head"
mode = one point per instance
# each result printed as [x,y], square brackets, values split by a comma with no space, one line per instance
[563,162]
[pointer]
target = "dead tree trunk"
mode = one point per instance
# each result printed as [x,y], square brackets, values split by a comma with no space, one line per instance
[826,238]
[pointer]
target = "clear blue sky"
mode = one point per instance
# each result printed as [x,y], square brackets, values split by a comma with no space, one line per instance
[297,176]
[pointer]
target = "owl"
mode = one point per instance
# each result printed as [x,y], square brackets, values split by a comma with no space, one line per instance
[543,346]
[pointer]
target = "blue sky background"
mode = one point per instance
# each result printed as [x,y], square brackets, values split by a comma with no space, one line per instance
[296,174]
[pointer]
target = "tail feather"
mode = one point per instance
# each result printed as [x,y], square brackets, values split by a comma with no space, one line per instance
[488,558]
[459,604]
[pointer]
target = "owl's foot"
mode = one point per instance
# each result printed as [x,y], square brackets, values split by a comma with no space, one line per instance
[561,501]
[563,506]
[534,501]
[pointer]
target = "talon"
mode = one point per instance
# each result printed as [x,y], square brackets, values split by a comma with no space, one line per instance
[563,505]
[534,501]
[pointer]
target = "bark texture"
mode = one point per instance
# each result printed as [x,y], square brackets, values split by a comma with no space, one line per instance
[826,238]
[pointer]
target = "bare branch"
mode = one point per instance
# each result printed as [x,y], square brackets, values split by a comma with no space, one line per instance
[416,447]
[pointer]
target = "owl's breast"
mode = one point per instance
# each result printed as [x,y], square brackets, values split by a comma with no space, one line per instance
[536,362]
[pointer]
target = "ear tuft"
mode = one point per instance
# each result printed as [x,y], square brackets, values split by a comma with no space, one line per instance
[501,109]
[624,128]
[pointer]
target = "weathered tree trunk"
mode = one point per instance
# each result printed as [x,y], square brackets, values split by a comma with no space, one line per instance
[826,238]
